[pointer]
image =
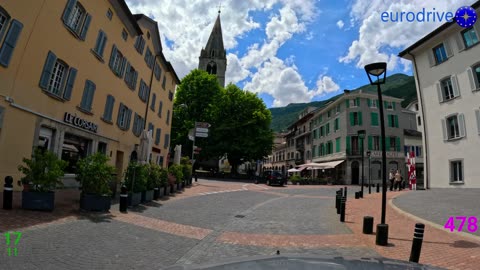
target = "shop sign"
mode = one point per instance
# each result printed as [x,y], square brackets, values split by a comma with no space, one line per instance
[79,122]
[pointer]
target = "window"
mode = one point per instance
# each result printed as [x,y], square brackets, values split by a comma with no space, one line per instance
[418,151]
[389,105]
[167,141]
[124,116]
[76,19]
[45,138]
[355,118]
[100,43]
[57,77]
[10,42]
[152,104]
[170,97]
[376,143]
[152,128]
[456,171]
[158,135]
[124,34]
[470,37]
[138,125]
[158,71]
[149,58]
[329,113]
[164,82]
[139,44]
[393,144]
[322,131]
[374,119]
[212,68]
[107,113]
[327,129]
[355,145]
[74,148]
[160,108]
[148,35]
[87,98]
[356,102]
[419,120]
[337,144]
[372,103]
[4,18]
[454,127]
[447,89]
[102,148]
[117,62]
[474,77]
[337,109]
[336,125]
[416,107]
[131,76]
[168,117]
[109,14]
[143,92]
[393,121]
[440,54]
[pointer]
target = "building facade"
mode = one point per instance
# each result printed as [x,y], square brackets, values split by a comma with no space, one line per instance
[446,66]
[84,87]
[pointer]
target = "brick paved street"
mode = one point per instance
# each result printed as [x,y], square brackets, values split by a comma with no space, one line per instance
[214,220]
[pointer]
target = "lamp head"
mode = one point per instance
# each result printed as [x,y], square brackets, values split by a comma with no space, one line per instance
[375,72]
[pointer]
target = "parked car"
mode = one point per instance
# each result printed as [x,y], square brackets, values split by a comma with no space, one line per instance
[272,178]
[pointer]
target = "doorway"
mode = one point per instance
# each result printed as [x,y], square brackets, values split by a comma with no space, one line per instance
[355,172]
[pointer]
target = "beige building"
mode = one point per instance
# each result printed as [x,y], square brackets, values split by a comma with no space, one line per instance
[75,79]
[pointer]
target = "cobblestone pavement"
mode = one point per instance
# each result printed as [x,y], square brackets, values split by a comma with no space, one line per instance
[215,220]
[445,202]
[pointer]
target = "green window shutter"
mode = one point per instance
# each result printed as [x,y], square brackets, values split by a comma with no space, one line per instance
[370,143]
[328,128]
[347,103]
[385,104]
[352,120]
[86,24]
[374,119]
[337,142]
[347,144]
[387,143]
[369,102]
[360,121]
[72,74]
[358,102]
[393,105]
[47,70]
[397,143]
[376,102]
[10,42]
[381,142]
[389,120]
[396,121]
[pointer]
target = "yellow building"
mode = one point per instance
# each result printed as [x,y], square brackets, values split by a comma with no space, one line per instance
[74,78]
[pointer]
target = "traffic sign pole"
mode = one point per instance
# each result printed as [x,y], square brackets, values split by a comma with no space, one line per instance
[193,145]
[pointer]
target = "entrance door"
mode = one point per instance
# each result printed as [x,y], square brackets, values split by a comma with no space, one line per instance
[119,166]
[355,173]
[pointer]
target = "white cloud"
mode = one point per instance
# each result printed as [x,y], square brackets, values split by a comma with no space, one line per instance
[325,85]
[376,36]
[235,71]
[340,24]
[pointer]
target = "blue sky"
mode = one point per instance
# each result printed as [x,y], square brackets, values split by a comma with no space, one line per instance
[291,51]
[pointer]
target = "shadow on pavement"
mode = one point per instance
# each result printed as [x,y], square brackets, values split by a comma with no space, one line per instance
[464,244]
[95,217]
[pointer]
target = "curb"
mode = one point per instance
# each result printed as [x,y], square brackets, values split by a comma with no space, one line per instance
[432,224]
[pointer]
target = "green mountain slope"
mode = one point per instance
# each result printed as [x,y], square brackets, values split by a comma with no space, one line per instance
[397,85]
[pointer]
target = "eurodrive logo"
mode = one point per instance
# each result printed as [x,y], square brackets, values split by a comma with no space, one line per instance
[464,16]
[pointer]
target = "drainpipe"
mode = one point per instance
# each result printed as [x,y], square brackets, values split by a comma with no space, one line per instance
[424,123]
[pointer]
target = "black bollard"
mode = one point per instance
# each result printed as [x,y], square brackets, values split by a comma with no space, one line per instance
[417,242]
[360,194]
[8,193]
[345,192]
[367,225]
[123,199]
[343,203]
[382,235]
[370,189]
[357,195]
[337,203]
[196,177]
[156,193]
[378,188]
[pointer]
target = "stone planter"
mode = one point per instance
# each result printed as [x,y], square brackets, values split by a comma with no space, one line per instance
[134,199]
[147,196]
[166,191]
[38,200]
[94,202]
[156,193]
[179,186]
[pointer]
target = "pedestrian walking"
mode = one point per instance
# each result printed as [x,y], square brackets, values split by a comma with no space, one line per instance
[398,179]
[391,177]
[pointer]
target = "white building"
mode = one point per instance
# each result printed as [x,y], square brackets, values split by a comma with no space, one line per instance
[446,66]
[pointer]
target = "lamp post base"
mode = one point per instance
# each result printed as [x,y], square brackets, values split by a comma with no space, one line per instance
[382,235]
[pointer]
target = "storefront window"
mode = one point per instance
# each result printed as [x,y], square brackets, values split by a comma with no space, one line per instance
[45,138]
[74,148]
[102,148]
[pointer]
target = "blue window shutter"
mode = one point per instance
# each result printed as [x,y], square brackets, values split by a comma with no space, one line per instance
[135,77]
[129,117]
[142,45]
[98,42]
[152,104]
[47,70]
[120,109]
[122,67]
[86,24]
[10,42]
[102,45]
[112,56]
[83,103]
[67,94]
[91,94]
[135,124]
[128,74]
[68,10]
[157,136]
[110,107]
[160,108]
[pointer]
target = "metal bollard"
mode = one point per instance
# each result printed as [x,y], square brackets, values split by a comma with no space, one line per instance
[367,225]
[343,203]
[345,192]
[417,242]
[196,177]
[378,188]
[370,189]
[8,193]
[357,195]
[360,194]
[123,199]
[156,193]
[337,203]
[382,235]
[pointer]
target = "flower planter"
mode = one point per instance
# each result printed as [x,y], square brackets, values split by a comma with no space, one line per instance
[161,191]
[156,193]
[38,200]
[166,190]
[94,202]
[134,198]
[173,188]
[179,186]
[147,196]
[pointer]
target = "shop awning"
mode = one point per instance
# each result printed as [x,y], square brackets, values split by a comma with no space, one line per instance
[324,165]
[294,170]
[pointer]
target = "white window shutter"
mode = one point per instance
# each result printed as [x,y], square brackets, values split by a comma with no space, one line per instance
[461,125]
[456,88]
[459,41]
[448,48]
[444,130]
[471,79]
[476,26]
[431,58]
[439,91]
[477,113]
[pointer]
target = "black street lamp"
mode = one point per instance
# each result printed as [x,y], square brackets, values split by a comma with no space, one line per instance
[361,135]
[376,70]
[369,172]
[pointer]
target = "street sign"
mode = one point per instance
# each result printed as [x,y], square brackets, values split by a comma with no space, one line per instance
[197,148]
[204,130]
[201,135]
[202,124]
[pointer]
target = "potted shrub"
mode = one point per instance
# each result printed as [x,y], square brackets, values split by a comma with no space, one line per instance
[163,182]
[147,194]
[154,177]
[187,171]
[135,181]
[95,174]
[177,175]
[42,174]
[295,179]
